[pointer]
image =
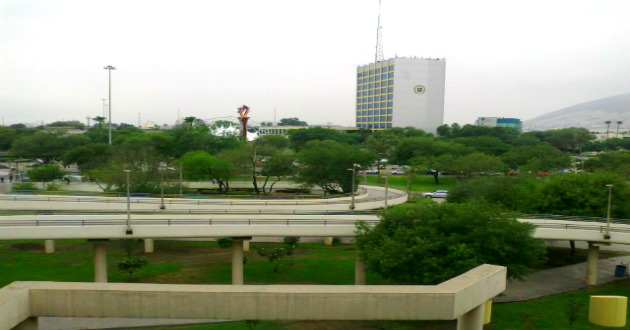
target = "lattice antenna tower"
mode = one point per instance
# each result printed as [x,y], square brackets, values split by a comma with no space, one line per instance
[378,56]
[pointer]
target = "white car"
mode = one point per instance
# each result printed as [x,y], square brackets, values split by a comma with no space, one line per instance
[437,194]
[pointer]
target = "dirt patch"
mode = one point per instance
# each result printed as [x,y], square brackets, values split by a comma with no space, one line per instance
[369,325]
[27,247]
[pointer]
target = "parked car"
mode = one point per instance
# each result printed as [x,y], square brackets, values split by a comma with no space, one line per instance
[437,194]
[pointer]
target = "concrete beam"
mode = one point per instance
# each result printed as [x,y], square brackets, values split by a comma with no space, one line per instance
[237,259]
[460,297]
[592,264]
[100,260]
[148,245]
[49,246]
[359,272]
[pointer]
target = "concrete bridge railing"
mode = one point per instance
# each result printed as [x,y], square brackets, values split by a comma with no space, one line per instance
[461,298]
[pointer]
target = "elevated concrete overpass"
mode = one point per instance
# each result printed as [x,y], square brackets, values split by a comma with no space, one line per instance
[228,225]
[100,228]
[369,198]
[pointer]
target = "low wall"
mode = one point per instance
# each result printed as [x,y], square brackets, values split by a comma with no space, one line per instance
[446,301]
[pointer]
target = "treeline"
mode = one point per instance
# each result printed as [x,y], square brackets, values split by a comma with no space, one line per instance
[314,156]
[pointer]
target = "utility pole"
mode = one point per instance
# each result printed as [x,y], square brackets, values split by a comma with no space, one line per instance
[109,120]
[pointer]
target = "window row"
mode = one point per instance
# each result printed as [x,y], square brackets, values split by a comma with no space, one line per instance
[377,78]
[388,90]
[375,71]
[380,105]
[377,119]
[376,98]
[376,85]
[375,126]
[375,112]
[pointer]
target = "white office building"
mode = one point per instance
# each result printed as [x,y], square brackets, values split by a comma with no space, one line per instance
[401,92]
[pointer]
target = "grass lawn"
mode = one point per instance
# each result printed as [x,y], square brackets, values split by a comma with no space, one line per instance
[183,262]
[177,262]
[420,183]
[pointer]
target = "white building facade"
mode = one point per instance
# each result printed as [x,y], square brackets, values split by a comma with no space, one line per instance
[401,92]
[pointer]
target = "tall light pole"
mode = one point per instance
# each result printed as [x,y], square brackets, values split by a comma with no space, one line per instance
[386,177]
[109,118]
[161,168]
[353,169]
[607,236]
[128,231]
[181,180]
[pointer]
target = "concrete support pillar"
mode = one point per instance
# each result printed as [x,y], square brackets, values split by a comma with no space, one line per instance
[148,245]
[100,261]
[245,246]
[328,240]
[473,320]
[359,272]
[49,246]
[237,260]
[30,323]
[592,264]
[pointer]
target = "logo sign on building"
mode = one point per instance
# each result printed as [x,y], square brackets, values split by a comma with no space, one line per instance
[419,89]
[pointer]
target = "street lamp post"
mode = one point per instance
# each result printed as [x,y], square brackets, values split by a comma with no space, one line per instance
[386,177]
[162,206]
[607,235]
[181,181]
[353,169]
[128,231]
[109,118]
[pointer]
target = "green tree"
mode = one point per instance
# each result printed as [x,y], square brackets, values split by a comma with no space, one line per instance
[131,264]
[199,165]
[292,122]
[427,243]
[381,144]
[613,161]
[424,146]
[478,164]
[326,163]
[508,191]
[568,139]
[299,137]
[46,173]
[541,158]
[68,124]
[100,120]
[48,146]
[277,167]
[290,244]
[580,194]
[88,157]
[486,144]
[273,255]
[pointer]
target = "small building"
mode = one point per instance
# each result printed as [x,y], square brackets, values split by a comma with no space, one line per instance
[499,122]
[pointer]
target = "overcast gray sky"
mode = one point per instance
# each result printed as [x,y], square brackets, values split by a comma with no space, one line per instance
[206,58]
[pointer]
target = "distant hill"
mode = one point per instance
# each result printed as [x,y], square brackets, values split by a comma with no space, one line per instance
[590,115]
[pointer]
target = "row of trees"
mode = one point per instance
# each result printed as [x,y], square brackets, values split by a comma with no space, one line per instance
[314,156]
